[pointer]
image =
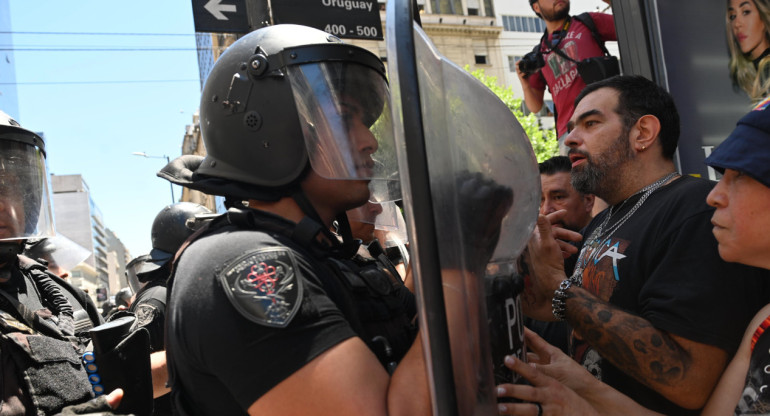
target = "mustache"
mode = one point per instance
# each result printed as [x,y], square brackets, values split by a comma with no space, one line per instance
[578,152]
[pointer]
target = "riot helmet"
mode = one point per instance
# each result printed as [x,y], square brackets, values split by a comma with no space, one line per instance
[171,227]
[61,253]
[123,297]
[25,210]
[286,97]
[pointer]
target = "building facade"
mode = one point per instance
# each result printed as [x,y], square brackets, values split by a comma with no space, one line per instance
[78,218]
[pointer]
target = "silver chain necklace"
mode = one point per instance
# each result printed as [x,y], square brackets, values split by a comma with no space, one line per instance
[598,235]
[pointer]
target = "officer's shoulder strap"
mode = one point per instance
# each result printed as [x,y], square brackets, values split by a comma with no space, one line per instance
[587,21]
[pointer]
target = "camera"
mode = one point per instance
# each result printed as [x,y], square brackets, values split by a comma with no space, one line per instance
[531,63]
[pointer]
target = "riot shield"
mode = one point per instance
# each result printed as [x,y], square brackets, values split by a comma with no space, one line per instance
[471,189]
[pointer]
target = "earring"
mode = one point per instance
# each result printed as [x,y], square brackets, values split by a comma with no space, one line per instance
[643,147]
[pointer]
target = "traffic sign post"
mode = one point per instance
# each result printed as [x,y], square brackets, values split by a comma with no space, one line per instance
[352,19]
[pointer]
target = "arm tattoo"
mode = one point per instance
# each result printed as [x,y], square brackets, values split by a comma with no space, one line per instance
[628,341]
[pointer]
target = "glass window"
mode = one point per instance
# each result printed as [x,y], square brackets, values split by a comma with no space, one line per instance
[489,9]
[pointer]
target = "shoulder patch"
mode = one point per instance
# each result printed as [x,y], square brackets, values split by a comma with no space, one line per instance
[265,286]
[145,314]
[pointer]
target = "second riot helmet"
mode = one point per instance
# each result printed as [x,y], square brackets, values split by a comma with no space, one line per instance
[171,227]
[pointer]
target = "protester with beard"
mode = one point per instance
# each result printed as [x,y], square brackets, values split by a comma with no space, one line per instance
[651,312]
[565,41]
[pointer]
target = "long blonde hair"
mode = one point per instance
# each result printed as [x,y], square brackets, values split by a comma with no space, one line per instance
[755,81]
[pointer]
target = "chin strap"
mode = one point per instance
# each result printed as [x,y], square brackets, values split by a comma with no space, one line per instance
[345,249]
[9,251]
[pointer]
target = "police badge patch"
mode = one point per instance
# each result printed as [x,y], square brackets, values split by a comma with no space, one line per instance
[145,314]
[264,286]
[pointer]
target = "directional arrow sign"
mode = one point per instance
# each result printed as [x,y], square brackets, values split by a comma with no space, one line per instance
[221,16]
[215,7]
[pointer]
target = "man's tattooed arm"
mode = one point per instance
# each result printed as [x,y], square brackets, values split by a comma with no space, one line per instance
[683,371]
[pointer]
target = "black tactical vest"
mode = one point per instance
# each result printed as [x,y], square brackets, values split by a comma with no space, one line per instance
[40,358]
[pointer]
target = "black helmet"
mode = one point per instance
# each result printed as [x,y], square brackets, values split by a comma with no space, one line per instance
[281,97]
[123,297]
[170,229]
[23,183]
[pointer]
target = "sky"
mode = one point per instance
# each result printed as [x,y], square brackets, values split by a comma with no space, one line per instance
[96,108]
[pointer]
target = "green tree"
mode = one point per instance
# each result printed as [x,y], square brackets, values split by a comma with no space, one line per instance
[543,140]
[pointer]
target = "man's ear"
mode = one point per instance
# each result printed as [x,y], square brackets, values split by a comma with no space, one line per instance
[536,7]
[588,200]
[647,130]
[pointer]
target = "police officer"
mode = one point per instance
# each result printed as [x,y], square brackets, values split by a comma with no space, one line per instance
[40,336]
[267,313]
[147,276]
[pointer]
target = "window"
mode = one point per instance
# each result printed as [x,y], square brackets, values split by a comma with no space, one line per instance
[481,59]
[523,24]
[512,62]
[473,12]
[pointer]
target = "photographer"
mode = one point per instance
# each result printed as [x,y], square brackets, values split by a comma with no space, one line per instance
[558,61]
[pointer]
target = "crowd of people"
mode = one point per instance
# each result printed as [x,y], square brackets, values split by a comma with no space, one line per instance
[658,304]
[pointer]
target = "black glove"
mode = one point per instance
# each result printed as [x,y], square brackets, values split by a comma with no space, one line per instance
[93,407]
[483,203]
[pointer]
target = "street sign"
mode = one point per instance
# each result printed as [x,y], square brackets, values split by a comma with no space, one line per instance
[352,19]
[220,16]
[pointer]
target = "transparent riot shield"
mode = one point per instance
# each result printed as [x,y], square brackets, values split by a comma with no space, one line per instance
[471,189]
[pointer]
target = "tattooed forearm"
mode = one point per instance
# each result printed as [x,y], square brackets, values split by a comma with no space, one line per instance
[628,341]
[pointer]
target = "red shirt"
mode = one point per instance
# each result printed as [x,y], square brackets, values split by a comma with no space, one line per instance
[561,75]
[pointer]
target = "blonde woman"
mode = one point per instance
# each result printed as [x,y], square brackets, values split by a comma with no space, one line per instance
[748,38]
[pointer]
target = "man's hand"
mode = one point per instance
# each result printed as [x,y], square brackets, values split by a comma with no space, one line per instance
[552,362]
[100,406]
[545,260]
[544,396]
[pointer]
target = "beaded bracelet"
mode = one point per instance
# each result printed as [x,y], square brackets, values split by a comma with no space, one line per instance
[559,301]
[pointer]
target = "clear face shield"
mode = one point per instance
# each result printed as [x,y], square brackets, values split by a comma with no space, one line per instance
[344,108]
[25,209]
[133,269]
[59,251]
[383,221]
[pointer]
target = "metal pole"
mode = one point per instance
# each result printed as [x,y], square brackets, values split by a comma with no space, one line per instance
[173,200]
[258,13]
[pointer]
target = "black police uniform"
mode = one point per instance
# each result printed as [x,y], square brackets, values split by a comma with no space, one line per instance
[149,307]
[252,304]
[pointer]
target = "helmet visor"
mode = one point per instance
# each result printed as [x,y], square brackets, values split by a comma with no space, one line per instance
[346,121]
[58,251]
[25,211]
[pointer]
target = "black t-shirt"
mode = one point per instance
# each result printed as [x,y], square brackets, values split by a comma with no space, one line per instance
[149,307]
[224,361]
[663,265]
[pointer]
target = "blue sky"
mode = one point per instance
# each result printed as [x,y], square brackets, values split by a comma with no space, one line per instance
[97,108]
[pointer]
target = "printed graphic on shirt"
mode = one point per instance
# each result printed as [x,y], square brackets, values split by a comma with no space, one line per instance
[755,399]
[601,275]
[264,286]
[564,70]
